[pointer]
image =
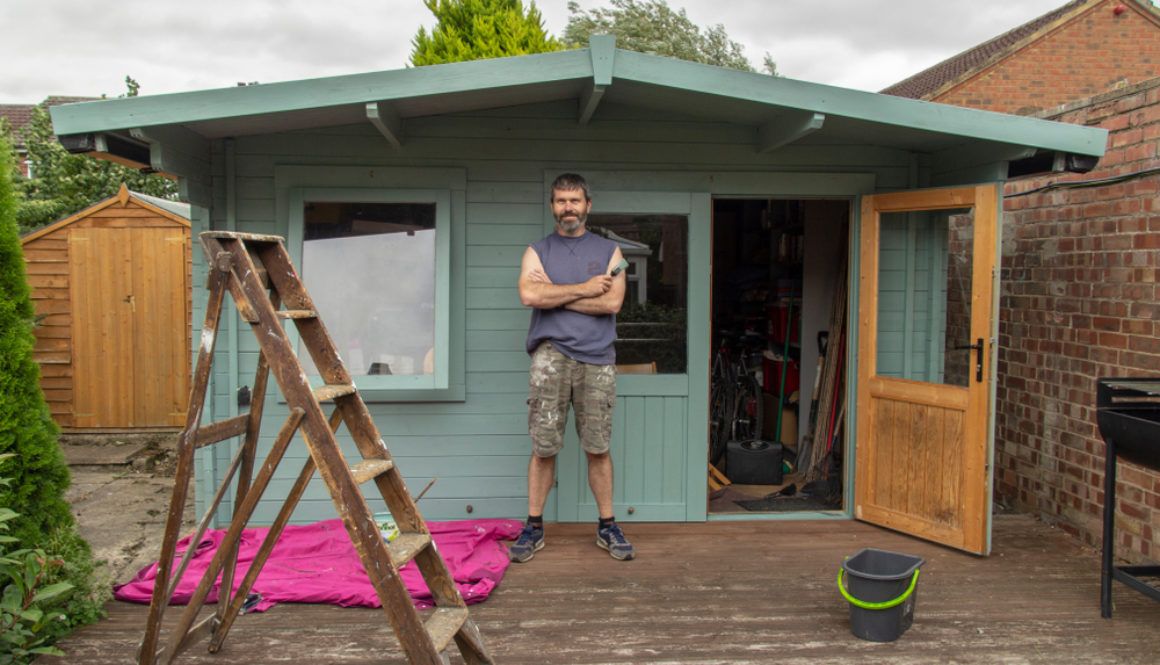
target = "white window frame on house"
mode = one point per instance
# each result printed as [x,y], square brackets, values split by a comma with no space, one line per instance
[447,381]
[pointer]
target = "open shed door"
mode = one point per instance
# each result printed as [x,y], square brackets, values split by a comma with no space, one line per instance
[926,289]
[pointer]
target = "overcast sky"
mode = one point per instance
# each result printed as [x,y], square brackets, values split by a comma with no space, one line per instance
[87,47]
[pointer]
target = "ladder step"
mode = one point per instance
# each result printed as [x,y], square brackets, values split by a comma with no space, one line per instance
[297,314]
[222,430]
[333,390]
[444,623]
[406,545]
[369,469]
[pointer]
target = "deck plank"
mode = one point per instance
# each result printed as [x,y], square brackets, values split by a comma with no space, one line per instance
[725,592]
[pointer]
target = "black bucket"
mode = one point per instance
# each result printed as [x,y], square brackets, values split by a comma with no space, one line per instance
[882,590]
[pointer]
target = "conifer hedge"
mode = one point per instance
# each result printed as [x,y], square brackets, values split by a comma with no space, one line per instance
[36,474]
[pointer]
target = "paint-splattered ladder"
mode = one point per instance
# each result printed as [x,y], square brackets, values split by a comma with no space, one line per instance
[257,272]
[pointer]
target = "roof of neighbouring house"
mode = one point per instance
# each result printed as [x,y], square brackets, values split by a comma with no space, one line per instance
[19,115]
[928,83]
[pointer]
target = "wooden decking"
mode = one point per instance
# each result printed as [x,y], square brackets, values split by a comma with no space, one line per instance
[725,592]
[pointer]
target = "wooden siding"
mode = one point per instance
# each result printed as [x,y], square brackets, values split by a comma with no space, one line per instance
[478,448]
[47,261]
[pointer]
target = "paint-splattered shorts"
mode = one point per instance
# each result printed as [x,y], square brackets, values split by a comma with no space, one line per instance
[557,381]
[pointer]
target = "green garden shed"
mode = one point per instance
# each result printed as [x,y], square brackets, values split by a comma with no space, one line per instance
[744,201]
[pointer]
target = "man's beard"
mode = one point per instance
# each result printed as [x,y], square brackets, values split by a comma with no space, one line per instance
[573,225]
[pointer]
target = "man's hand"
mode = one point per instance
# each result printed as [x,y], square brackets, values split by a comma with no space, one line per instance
[596,286]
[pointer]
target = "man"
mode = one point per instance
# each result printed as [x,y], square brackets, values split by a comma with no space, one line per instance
[568,279]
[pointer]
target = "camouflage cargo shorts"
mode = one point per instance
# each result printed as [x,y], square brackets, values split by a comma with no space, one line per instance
[557,381]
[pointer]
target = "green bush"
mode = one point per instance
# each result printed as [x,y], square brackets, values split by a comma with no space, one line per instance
[37,517]
[28,600]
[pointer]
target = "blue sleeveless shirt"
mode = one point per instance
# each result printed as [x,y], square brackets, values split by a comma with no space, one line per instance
[584,337]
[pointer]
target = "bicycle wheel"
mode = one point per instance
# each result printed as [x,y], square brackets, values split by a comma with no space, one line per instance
[747,410]
[720,418]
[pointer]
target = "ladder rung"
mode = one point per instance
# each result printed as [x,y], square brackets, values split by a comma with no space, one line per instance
[406,545]
[222,430]
[370,468]
[444,623]
[330,391]
[297,314]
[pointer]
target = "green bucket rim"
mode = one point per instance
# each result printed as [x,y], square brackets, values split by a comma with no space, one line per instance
[884,605]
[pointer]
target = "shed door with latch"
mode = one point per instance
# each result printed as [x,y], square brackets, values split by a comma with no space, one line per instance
[924,364]
[130,362]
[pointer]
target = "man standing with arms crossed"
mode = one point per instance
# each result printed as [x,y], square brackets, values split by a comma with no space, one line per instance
[572,281]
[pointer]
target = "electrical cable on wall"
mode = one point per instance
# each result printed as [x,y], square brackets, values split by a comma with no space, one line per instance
[1074,184]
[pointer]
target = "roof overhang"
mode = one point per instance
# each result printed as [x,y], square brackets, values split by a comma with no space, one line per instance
[172,133]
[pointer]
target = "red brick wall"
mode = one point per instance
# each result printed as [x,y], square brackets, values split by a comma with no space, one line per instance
[1080,300]
[1084,57]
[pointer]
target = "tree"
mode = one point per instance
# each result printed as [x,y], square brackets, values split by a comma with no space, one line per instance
[62,184]
[478,29]
[26,428]
[651,26]
[31,462]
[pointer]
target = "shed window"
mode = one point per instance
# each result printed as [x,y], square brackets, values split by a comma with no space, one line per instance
[370,268]
[651,326]
[377,264]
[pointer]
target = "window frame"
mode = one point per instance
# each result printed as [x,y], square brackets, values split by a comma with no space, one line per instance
[447,383]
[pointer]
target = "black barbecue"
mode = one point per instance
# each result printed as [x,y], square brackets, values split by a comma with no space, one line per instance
[1128,414]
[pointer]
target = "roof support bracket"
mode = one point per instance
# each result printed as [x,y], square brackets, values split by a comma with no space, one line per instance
[389,124]
[786,129]
[589,100]
[602,49]
[179,152]
[174,149]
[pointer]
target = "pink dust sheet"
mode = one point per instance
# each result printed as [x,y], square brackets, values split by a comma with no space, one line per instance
[317,563]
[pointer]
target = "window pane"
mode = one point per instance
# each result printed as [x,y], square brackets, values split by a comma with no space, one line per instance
[651,325]
[924,295]
[370,269]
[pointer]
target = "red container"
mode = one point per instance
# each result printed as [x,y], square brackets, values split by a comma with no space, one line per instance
[778,317]
[771,371]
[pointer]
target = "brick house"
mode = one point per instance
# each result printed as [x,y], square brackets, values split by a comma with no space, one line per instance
[18,116]
[1080,268]
[1080,301]
[1082,49]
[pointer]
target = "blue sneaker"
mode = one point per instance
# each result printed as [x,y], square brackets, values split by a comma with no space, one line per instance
[531,540]
[610,538]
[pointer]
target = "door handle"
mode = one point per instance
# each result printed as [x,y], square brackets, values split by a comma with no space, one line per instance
[978,347]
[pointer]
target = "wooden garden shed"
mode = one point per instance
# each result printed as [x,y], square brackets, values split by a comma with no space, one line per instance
[750,202]
[111,289]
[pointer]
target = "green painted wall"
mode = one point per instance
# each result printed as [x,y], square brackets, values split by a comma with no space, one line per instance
[478,447]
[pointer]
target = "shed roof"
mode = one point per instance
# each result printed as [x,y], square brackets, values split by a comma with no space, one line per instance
[173,210]
[171,132]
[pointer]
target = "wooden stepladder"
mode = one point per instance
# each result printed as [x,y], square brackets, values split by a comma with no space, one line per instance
[257,272]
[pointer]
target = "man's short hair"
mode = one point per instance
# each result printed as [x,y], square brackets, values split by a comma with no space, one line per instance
[567,182]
